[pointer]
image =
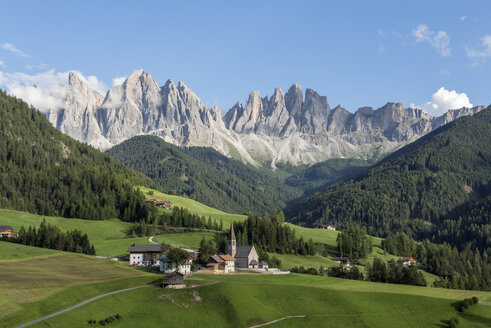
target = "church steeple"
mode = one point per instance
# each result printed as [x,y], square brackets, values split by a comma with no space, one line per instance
[232,242]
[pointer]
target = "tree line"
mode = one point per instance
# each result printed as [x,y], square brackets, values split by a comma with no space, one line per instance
[269,234]
[466,269]
[50,236]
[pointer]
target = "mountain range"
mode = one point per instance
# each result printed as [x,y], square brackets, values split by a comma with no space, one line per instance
[296,127]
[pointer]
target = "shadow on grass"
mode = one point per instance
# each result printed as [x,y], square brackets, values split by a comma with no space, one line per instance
[477,319]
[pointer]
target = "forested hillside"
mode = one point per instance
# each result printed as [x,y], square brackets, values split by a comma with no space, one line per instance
[205,175]
[435,187]
[46,172]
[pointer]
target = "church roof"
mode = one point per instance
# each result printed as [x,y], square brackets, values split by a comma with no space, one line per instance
[253,262]
[243,251]
[231,235]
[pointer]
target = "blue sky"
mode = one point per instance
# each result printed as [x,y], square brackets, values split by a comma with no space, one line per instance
[357,53]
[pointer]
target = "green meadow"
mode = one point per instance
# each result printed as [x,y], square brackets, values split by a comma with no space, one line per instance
[247,300]
[194,207]
[40,281]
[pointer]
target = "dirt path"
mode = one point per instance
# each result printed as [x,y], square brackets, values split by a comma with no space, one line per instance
[280,319]
[79,305]
[150,240]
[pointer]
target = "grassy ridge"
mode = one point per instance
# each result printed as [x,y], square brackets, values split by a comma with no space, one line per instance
[195,207]
[243,301]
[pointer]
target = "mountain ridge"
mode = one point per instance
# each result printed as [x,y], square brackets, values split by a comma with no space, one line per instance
[294,128]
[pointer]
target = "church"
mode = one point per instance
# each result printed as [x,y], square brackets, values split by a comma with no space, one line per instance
[245,256]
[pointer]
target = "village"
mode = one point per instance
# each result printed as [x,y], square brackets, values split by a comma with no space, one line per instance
[238,260]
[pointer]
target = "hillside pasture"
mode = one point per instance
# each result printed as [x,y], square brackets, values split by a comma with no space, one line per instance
[244,301]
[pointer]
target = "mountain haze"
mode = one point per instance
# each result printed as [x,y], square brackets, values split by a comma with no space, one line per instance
[295,128]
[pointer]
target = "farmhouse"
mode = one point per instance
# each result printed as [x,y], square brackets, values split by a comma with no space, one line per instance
[328,227]
[173,279]
[144,254]
[167,267]
[164,204]
[6,231]
[245,256]
[221,263]
[151,201]
[406,261]
[341,260]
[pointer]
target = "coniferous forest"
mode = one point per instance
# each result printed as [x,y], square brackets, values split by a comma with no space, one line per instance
[436,188]
[46,172]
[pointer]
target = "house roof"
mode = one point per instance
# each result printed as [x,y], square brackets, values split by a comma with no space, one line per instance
[144,248]
[263,263]
[215,258]
[172,275]
[253,262]
[227,257]
[243,251]
[5,228]
[408,259]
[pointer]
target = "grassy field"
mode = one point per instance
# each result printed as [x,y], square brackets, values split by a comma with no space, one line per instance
[108,237]
[195,207]
[243,301]
[289,261]
[35,282]
[11,251]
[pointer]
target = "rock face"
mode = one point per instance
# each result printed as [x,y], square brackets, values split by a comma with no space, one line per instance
[287,127]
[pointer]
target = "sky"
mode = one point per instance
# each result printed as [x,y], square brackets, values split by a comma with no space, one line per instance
[435,55]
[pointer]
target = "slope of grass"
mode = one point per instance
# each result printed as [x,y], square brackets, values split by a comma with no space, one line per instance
[31,286]
[108,237]
[289,261]
[11,251]
[195,207]
[243,301]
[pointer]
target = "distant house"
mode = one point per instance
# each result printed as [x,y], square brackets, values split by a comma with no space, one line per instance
[221,263]
[328,227]
[164,204]
[151,201]
[167,267]
[406,261]
[341,260]
[7,231]
[144,254]
[173,279]
[215,263]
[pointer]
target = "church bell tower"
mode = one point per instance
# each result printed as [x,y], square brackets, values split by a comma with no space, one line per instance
[232,242]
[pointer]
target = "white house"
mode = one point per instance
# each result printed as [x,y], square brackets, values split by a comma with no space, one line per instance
[144,254]
[166,266]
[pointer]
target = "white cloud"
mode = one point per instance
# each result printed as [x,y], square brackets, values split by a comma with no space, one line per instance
[485,49]
[443,100]
[10,47]
[2,64]
[119,80]
[46,90]
[381,49]
[438,40]
[381,32]
[444,71]
[463,18]
[94,83]
[37,66]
